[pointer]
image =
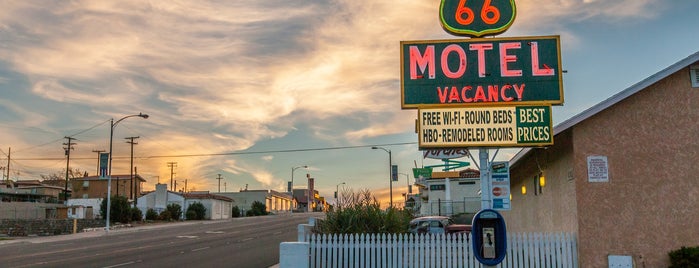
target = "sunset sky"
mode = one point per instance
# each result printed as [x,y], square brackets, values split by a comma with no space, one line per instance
[251,89]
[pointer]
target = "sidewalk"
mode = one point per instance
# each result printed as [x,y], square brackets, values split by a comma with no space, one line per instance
[92,232]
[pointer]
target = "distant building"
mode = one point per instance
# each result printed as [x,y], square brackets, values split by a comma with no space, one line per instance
[159,199]
[30,191]
[217,206]
[448,193]
[96,186]
[301,198]
[275,202]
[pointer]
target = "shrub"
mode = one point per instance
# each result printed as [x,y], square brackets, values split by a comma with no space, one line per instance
[165,215]
[191,215]
[257,209]
[361,213]
[136,214]
[175,211]
[684,257]
[120,210]
[235,212]
[198,209]
[151,215]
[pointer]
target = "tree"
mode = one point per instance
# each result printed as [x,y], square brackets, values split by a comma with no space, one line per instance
[235,212]
[175,211]
[120,210]
[257,209]
[196,211]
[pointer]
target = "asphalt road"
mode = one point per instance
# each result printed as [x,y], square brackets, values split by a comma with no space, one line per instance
[239,242]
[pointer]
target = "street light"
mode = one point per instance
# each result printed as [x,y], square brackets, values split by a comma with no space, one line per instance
[390,170]
[291,185]
[337,194]
[109,172]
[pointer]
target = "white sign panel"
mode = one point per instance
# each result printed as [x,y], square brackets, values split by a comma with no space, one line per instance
[500,185]
[497,126]
[597,168]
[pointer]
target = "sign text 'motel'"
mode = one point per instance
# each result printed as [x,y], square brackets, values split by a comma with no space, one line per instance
[481,71]
[489,126]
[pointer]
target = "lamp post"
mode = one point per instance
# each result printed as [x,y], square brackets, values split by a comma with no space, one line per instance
[390,179]
[109,172]
[291,187]
[337,194]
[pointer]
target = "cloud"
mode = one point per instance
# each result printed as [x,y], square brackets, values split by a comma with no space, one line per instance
[222,76]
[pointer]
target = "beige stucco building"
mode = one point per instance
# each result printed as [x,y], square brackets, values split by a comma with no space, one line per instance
[647,202]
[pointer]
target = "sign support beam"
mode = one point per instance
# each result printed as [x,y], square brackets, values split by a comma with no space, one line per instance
[486,201]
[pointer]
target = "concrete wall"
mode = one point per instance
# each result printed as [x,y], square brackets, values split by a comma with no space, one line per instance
[27,210]
[45,227]
[551,208]
[649,205]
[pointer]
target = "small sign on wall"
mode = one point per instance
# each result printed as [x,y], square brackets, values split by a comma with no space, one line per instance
[597,168]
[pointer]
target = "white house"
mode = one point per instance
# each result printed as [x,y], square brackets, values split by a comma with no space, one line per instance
[84,208]
[217,206]
[159,199]
[449,193]
[275,202]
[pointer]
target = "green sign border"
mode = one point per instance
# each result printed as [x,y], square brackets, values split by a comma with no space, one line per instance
[422,94]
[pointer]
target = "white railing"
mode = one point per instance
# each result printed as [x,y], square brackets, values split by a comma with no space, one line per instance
[408,250]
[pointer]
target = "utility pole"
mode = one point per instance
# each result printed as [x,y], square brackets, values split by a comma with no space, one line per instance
[98,160]
[69,146]
[131,187]
[172,166]
[9,152]
[219,182]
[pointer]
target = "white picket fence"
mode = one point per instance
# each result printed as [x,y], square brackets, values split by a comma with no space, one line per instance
[524,250]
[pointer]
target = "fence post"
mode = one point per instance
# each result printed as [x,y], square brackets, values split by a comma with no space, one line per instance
[294,254]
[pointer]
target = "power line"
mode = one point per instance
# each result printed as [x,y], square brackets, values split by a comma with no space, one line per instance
[233,153]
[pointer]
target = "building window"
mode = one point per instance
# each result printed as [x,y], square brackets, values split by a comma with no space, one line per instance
[437,187]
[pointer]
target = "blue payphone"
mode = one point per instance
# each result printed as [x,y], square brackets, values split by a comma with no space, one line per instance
[489,237]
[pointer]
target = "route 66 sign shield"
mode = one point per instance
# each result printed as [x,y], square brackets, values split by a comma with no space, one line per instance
[477,18]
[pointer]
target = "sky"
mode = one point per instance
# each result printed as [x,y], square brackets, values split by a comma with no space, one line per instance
[252,89]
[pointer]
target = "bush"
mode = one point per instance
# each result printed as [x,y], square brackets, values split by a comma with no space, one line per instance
[151,215]
[684,257]
[257,209]
[165,215]
[175,211]
[361,213]
[196,211]
[120,210]
[235,212]
[136,214]
[191,215]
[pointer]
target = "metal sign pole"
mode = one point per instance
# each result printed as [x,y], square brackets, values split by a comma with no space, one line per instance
[486,202]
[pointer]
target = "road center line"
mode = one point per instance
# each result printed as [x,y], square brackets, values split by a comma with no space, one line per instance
[198,249]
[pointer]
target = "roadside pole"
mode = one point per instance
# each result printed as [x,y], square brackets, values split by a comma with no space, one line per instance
[486,202]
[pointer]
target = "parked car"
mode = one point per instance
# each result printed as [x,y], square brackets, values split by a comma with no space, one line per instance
[437,225]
